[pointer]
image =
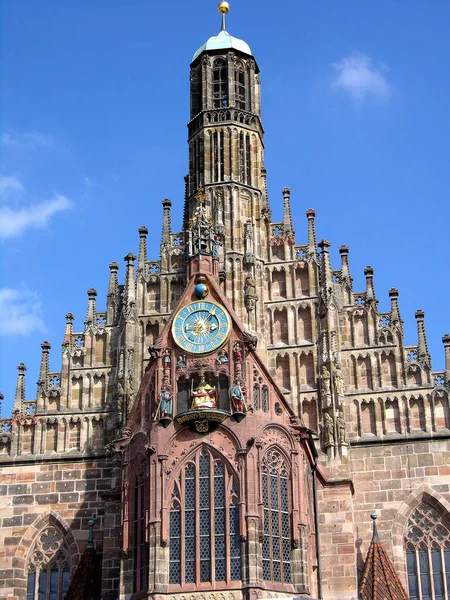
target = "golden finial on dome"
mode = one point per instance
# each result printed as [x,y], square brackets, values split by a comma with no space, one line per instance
[223,7]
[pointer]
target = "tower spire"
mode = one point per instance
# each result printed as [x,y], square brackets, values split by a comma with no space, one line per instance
[370,291]
[143,232]
[287,215]
[395,311]
[311,213]
[20,390]
[90,314]
[223,8]
[166,227]
[44,369]
[345,268]
[68,331]
[422,338]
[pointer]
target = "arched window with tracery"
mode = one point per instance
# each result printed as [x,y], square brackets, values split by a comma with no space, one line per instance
[220,83]
[427,543]
[48,567]
[276,547]
[205,545]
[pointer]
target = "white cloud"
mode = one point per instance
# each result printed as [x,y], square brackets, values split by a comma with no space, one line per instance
[10,183]
[32,140]
[20,312]
[14,221]
[360,78]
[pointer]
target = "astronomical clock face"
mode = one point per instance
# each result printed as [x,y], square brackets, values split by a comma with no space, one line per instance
[201,327]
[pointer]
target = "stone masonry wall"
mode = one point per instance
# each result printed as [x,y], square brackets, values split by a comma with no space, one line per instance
[64,495]
[391,478]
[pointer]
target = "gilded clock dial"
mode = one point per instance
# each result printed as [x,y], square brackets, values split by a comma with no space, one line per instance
[201,327]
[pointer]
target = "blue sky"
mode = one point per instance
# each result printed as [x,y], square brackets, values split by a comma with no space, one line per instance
[93,137]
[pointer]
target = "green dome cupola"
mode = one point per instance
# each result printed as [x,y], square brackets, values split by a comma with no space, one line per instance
[223,41]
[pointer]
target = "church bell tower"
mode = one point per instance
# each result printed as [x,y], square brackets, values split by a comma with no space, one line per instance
[226,157]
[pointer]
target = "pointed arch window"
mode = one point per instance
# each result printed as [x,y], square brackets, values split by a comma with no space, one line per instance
[205,545]
[276,547]
[48,570]
[220,83]
[427,543]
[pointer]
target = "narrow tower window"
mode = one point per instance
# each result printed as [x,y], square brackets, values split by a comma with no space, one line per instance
[240,87]
[248,163]
[196,92]
[139,543]
[220,84]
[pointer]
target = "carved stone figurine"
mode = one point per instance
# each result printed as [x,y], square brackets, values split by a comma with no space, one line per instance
[164,408]
[325,379]
[250,287]
[339,386]
[237,351]
[181,361]
[222,357]
[237,393]
[340,426]
[328,431]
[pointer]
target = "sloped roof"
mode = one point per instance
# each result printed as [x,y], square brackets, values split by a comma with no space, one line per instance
[87,579]
[380,580]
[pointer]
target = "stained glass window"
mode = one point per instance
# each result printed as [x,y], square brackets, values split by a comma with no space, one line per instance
[208,514]
[276,546]
[428,554]
[264,398]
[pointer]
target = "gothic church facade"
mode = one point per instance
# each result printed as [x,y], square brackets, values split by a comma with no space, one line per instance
[223,430]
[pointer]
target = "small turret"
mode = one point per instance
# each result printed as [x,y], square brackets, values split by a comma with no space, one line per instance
[325,267]
[422,346]
[44,369]
[446,342]
[113,289]
[129,291]
[2,397]
[370,291]
[345,269]
[287,216]
[143,232]
[267,213]
[90,314]
[311,213]
[68,331]
[166,226]
[395,311]
[20,390]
